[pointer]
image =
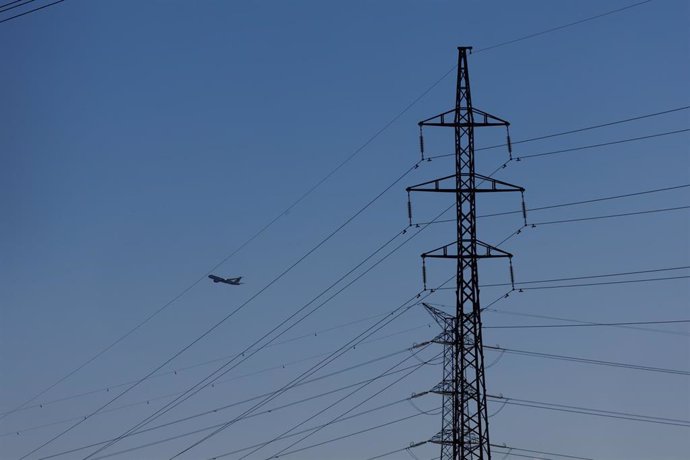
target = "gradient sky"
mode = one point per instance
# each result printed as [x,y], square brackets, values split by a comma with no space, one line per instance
[142,142]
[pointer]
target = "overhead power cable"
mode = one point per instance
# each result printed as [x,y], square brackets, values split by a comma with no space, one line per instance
[10,3]
[499,446]
[522,38]
[604,144]
[593,200]
[609,216]
[176,370]
[588,128]
[573,203]
[244,449]
[404,307]
[584,277]
[219,382]
[605,283]
[537,326]
[595,362]
[571,320]
[24,13]
[7,7]
[420,296]
[305,194]
[340,416]
[561,27]
[219,409]
[239,308]
[339,438]
[582,147]
[511,448]
[222,370]
[209,379]
[593,412]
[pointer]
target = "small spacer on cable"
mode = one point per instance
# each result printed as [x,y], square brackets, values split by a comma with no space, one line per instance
[508,143]
[524,208]
[421,141]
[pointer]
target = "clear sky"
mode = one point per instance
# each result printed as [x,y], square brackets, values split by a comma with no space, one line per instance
[141,142]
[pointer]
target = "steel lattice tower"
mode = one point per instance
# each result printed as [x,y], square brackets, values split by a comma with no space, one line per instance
[464,432]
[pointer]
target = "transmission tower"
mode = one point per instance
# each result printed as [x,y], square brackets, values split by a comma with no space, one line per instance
[464,431]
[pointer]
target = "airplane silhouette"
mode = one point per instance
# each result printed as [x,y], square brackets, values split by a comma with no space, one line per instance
[232,281]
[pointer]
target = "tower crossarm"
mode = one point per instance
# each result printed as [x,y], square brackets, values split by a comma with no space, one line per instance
[443,319]
[448,119]
[439,185]
[484,251]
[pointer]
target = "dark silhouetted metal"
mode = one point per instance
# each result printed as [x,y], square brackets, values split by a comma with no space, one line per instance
[464,432]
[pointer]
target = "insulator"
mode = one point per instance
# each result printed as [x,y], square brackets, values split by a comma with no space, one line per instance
[512,275]
[510,145]
[424,273]
[524,209]
[409,208]
[421,141]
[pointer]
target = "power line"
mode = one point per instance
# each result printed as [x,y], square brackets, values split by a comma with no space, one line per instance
[245,303]
[605,283]
[29,11]
[573,203]
[107,388]
[558,318]
[339,417]
[593,200]
[7,7]
[204,382]
[604,144]
[380,324]
[261,371]
[10,3]
[339,438]
[395,118]
[301,197]
[500,446]
[585,277]
[596,362]
[610,216]
[588,128]
[593,412]
[503,446]
[561,27]
[228,406]
[583,147]
[537,326]
[359,414]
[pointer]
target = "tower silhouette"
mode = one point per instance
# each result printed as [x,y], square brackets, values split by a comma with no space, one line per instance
[464,431]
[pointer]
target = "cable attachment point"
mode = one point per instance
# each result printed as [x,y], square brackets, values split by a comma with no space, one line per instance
[509,144]
[524,208]
[421,141]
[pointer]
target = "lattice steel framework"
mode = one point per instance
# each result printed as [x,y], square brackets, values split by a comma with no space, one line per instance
[464,432]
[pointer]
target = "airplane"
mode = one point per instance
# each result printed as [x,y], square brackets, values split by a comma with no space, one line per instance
[232,281]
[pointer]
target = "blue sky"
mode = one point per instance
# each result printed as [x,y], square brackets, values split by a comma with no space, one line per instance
[142,142]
